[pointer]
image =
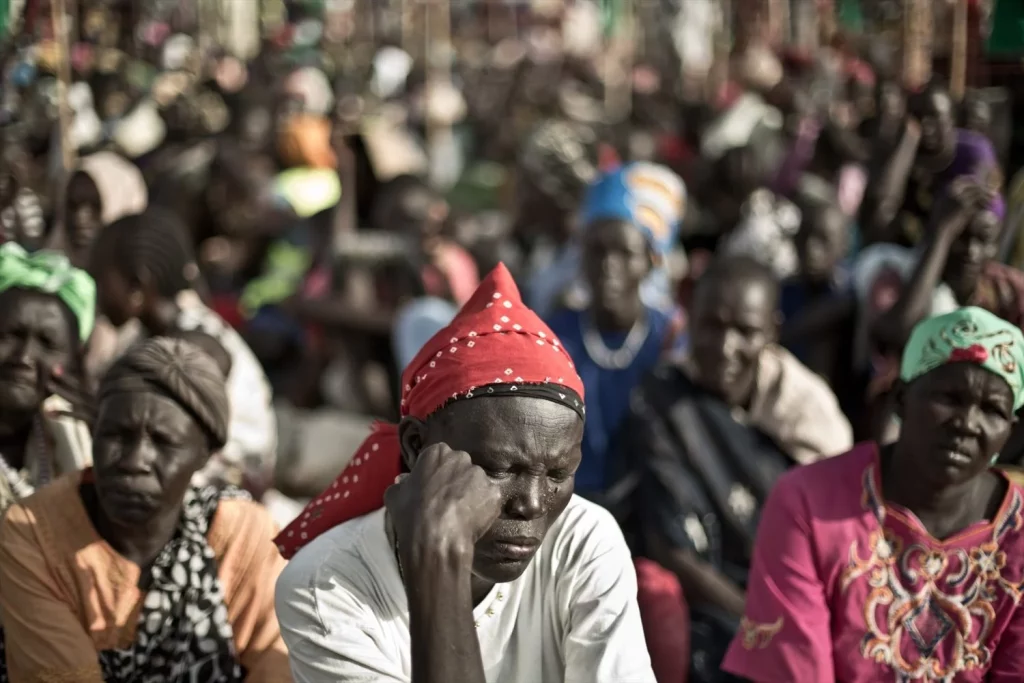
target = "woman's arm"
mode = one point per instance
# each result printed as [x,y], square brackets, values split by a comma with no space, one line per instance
[892,328]
[785,634]
[882,204]
[44,638]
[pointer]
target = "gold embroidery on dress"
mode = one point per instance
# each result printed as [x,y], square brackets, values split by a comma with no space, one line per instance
[759,636]
[928,596]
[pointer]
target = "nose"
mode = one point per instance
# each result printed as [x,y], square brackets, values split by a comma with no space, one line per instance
[609,265]
[527,503]
[137,458]
[730,342]
[968,421]
[25,352]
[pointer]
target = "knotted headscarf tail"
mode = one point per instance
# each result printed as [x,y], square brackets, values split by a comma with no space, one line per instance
[495,345]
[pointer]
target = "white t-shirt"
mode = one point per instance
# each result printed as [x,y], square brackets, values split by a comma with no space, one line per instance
[572,616]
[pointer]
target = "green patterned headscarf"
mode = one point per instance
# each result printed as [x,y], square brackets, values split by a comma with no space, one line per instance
[967,335]
[50,272]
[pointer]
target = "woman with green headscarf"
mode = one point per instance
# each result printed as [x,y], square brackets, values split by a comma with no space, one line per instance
[47,312]
[902,562]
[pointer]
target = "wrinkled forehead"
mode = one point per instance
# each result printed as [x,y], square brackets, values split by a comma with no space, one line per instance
[528,426]
[964,379]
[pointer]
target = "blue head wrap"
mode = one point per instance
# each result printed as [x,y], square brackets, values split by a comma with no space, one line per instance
[649,196]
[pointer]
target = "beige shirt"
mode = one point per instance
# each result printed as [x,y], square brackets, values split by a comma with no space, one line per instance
[796,408]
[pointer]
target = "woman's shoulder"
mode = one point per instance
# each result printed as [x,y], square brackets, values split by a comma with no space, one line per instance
[820,482]
[54,520]
[240,521]
[51,506]
[347,574]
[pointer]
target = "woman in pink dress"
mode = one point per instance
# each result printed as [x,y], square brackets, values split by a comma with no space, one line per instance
[904,562]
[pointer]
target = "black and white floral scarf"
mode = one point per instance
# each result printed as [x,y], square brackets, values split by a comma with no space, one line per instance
[183,634]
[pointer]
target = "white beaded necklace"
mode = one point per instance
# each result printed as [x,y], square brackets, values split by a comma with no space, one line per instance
[614,359]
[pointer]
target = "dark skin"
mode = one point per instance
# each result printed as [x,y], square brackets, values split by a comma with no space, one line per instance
[927,146]
[964,236]
[122,296]
[146,447]
[616,259]
[821,245]
[977,114]
[84,213]
[935,110]
[955,418]
[38,344]
[734,318]
[489,477]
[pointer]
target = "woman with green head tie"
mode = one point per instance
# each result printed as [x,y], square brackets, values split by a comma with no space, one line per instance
[902,562]
[47,312]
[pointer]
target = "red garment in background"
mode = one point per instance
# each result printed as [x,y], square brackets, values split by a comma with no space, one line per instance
[666,619]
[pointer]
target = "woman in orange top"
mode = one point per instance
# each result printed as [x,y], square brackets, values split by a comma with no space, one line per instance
[127,572]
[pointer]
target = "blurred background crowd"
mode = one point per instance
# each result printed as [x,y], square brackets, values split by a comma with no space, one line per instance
[310,189]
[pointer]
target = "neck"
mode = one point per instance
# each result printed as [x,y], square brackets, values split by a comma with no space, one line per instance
[964,291]
[617,321]
[140,543]
[904,486]
[15,428]
[939,161]
[161,319]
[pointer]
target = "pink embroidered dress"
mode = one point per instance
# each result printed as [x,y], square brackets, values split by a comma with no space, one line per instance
[846,588]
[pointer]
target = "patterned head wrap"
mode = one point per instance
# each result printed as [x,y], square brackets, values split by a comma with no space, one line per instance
[177,369]
[495,346]
[649,196]
[967,335]
[561,159]
[50,272]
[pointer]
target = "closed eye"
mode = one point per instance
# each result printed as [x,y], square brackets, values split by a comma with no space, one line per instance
[559,475]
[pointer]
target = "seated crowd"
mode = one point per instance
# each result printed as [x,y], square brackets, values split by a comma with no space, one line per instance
[292,418]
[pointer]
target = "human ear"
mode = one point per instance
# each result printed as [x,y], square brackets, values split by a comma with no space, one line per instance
[411,434]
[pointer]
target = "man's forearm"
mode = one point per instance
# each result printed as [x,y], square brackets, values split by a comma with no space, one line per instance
[444,643]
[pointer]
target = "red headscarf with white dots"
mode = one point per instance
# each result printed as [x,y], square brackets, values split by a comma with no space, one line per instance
[494,343]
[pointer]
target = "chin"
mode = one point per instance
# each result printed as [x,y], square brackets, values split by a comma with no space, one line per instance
[20,399]
[500,571]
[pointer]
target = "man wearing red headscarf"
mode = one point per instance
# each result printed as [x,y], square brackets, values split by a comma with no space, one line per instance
[452,548]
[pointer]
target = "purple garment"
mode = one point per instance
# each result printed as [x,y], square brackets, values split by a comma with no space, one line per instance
[974,156]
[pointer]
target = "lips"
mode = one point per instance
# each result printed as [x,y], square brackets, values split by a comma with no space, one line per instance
[516,549]
[130,491]
[18,374]
[956,454]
